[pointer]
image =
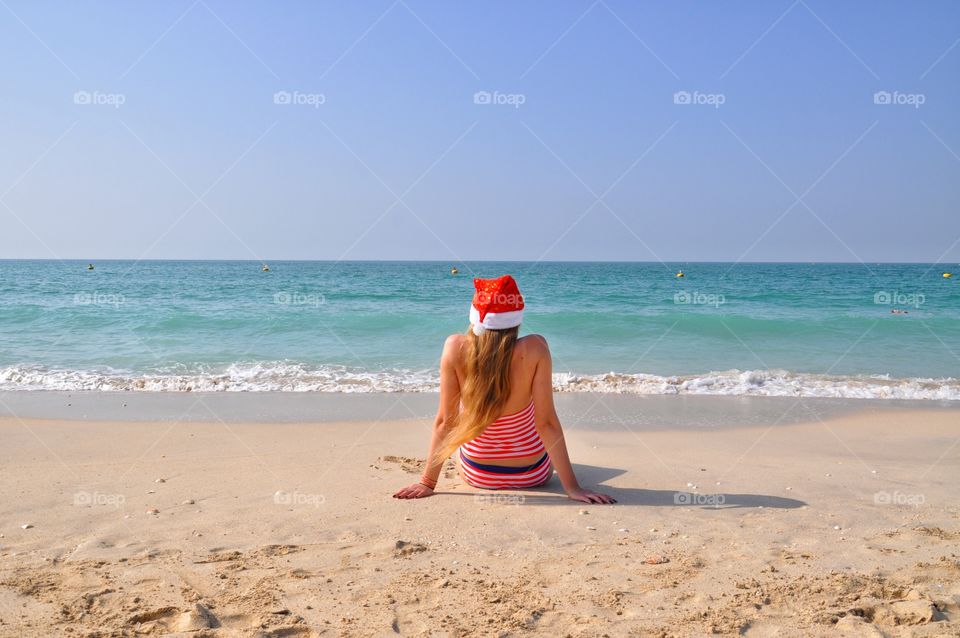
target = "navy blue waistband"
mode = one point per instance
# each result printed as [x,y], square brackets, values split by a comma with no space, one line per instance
[503,469]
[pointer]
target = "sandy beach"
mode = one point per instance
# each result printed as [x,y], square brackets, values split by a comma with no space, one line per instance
[847,525]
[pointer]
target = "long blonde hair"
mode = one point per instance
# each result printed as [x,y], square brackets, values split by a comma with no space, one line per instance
[486,387]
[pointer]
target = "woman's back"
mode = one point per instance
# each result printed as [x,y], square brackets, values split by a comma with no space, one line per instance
[523,366]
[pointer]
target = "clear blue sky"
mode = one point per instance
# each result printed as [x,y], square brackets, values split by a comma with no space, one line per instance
[877,182]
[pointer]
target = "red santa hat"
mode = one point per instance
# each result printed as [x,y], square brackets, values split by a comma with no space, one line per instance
[497,304]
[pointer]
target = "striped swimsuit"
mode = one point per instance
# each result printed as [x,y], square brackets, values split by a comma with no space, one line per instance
[512,436]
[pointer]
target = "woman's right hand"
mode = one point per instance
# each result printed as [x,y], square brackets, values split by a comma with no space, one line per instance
[417,490]
[589,496]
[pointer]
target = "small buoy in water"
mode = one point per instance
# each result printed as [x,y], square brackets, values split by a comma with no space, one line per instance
[680,274]
[89,266]
[947,275]
[266,268]
[454,270]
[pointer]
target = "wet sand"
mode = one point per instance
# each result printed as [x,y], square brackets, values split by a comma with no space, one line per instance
[579,410]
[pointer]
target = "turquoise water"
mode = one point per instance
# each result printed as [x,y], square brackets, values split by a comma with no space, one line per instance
[823,329]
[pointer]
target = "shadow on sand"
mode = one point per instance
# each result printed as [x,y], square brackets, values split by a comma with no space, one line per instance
[593,476]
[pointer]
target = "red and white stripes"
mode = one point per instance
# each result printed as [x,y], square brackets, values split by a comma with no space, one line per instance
[497,481]
[512,436]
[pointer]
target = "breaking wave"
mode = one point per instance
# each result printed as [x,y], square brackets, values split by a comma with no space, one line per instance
[285,376]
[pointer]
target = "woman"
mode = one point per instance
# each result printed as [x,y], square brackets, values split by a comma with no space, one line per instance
[496,404]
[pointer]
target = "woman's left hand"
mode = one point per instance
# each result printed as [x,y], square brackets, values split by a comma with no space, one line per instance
[589,496]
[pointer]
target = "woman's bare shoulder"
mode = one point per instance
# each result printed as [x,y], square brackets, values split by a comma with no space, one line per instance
[456,339]
[454,345]
[534,344]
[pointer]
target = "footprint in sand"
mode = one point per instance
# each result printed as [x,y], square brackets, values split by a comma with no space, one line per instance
[300,574]
[415,466]
[937,532]
[171,619]
[404,549]
[276,550]
[286,632]
[155,614]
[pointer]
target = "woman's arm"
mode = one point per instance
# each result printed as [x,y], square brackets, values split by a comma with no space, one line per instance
[550,430]
[449,407]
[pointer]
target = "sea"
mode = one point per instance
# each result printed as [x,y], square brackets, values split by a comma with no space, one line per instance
[849,330]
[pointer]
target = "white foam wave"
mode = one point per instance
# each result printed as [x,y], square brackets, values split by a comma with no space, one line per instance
[251,377]
[296,377]
[768,383]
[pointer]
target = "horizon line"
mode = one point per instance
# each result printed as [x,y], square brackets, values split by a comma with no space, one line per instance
[468,261]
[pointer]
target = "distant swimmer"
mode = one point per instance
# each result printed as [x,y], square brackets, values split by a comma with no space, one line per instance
[947,275]
[454,270]
[899,311]
[266,268]
[680,274]
[89,266]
